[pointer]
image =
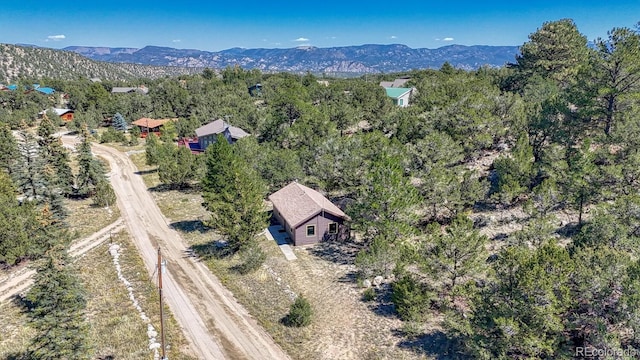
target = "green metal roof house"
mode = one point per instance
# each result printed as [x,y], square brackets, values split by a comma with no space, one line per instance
[399,95]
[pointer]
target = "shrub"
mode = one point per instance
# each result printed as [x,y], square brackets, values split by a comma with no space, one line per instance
[300,313]
[411,298]
[369,294]
[112,135]
[252,258]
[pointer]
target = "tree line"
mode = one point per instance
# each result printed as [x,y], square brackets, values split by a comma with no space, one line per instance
[560,125]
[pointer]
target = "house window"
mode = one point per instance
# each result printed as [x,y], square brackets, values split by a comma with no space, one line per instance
[311,230]
[333,228]
[400,102]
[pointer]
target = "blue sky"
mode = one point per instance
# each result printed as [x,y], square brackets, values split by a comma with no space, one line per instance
[283,24]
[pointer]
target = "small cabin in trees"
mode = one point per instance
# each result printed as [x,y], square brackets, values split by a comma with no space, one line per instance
[148,125]
[208,134]
[65,115]
[400,96]
[307,216]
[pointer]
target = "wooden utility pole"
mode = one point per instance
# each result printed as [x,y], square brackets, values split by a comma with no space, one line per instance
[160,268]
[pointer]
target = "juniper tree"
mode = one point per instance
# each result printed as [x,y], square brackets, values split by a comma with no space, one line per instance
[152,149]
[9,154]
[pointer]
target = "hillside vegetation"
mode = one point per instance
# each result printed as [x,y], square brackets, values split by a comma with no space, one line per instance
[34,63]
[498,215]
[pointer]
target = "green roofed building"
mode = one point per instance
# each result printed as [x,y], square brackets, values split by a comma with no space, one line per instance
[399,95]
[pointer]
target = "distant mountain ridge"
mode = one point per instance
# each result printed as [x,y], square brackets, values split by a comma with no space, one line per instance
[369,58]
[36,62]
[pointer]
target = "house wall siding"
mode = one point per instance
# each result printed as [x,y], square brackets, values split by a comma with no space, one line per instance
[321,222]
[284,224]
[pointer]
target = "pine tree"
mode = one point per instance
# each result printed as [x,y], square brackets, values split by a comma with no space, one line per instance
[386,201]
[91,171]
[456,255]
[19,227]
[29,176]
[234,195]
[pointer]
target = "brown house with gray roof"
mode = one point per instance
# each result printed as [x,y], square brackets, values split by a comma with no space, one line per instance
[307,216]
[208,134]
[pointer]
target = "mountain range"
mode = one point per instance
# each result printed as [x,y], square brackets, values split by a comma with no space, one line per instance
[360,59]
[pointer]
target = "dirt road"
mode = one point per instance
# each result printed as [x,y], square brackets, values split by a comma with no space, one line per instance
[215,324]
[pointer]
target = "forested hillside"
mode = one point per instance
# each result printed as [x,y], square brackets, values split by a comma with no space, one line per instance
[34,63]
[502,204]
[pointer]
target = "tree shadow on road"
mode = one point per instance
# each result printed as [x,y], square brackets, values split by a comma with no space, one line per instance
[146,172]
[189,226]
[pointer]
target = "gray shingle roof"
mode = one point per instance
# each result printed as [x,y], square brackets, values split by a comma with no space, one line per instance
[218,127]
[298,203]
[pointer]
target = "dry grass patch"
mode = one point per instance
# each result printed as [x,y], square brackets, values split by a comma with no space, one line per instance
[116,327]
[84,218]
[14,334]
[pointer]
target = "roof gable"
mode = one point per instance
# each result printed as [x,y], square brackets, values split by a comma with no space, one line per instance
[298,203]
[151,123]
[218,127]
[396,92]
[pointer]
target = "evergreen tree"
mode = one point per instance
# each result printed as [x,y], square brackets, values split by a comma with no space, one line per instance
[91,171]
[456,255]
[19,227]
[57,171]
[618,73]
[386,203]
[57,305]
[234,195]
[177,167]
[9,154]
[29,176]
[118,122]
[152,149]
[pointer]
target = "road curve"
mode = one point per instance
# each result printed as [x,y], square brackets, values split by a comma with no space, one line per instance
[214,323]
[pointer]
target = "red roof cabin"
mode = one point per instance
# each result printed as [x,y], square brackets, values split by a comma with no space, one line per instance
[148,125]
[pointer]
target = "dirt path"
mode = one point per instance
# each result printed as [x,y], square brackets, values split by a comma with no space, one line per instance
[215,324]
[21,280]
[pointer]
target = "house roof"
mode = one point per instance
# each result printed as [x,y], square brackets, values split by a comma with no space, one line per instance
[45,90]
[58,111]
[396,92]
[218,127]
[397,83]
[139,89]
[298,203]
[150,123]
[236,132]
